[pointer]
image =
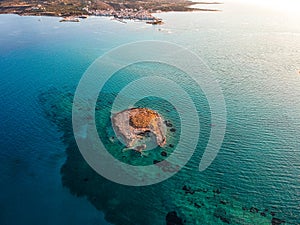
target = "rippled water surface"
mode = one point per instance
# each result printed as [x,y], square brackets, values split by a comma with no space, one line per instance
[255,55]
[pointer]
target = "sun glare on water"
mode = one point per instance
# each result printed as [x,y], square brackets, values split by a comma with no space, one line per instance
[288,6]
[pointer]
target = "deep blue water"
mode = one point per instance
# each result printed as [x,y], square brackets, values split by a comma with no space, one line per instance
[256,57]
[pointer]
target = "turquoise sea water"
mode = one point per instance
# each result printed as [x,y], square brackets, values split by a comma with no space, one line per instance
[255,54]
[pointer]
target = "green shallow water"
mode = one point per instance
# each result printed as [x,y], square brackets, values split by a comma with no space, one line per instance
[168,111]
[194,200]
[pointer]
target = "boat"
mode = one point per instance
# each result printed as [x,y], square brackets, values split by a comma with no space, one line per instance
[155,22]
[82,17]
[69,19]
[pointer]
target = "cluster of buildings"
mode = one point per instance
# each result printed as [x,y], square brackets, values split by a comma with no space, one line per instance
[134,14]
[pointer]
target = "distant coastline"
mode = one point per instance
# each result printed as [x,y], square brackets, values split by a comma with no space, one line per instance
[73,10]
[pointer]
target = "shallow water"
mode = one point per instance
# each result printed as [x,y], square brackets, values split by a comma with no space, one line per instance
[256,56]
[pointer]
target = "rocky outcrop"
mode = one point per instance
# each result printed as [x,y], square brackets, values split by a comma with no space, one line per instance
[135,124]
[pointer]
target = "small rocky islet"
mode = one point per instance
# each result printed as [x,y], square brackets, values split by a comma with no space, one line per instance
[135,124]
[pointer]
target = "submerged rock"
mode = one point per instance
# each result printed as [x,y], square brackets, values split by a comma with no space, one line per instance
[173,130]
[217,191]
[156,161]
[222,215]
[188,190]
[223,202]
[168,123]
[197,205]
[163,153]
[263,214]
[173,219]
[276,221]
[253,210]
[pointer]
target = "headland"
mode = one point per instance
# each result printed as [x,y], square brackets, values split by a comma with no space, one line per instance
[73,10]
